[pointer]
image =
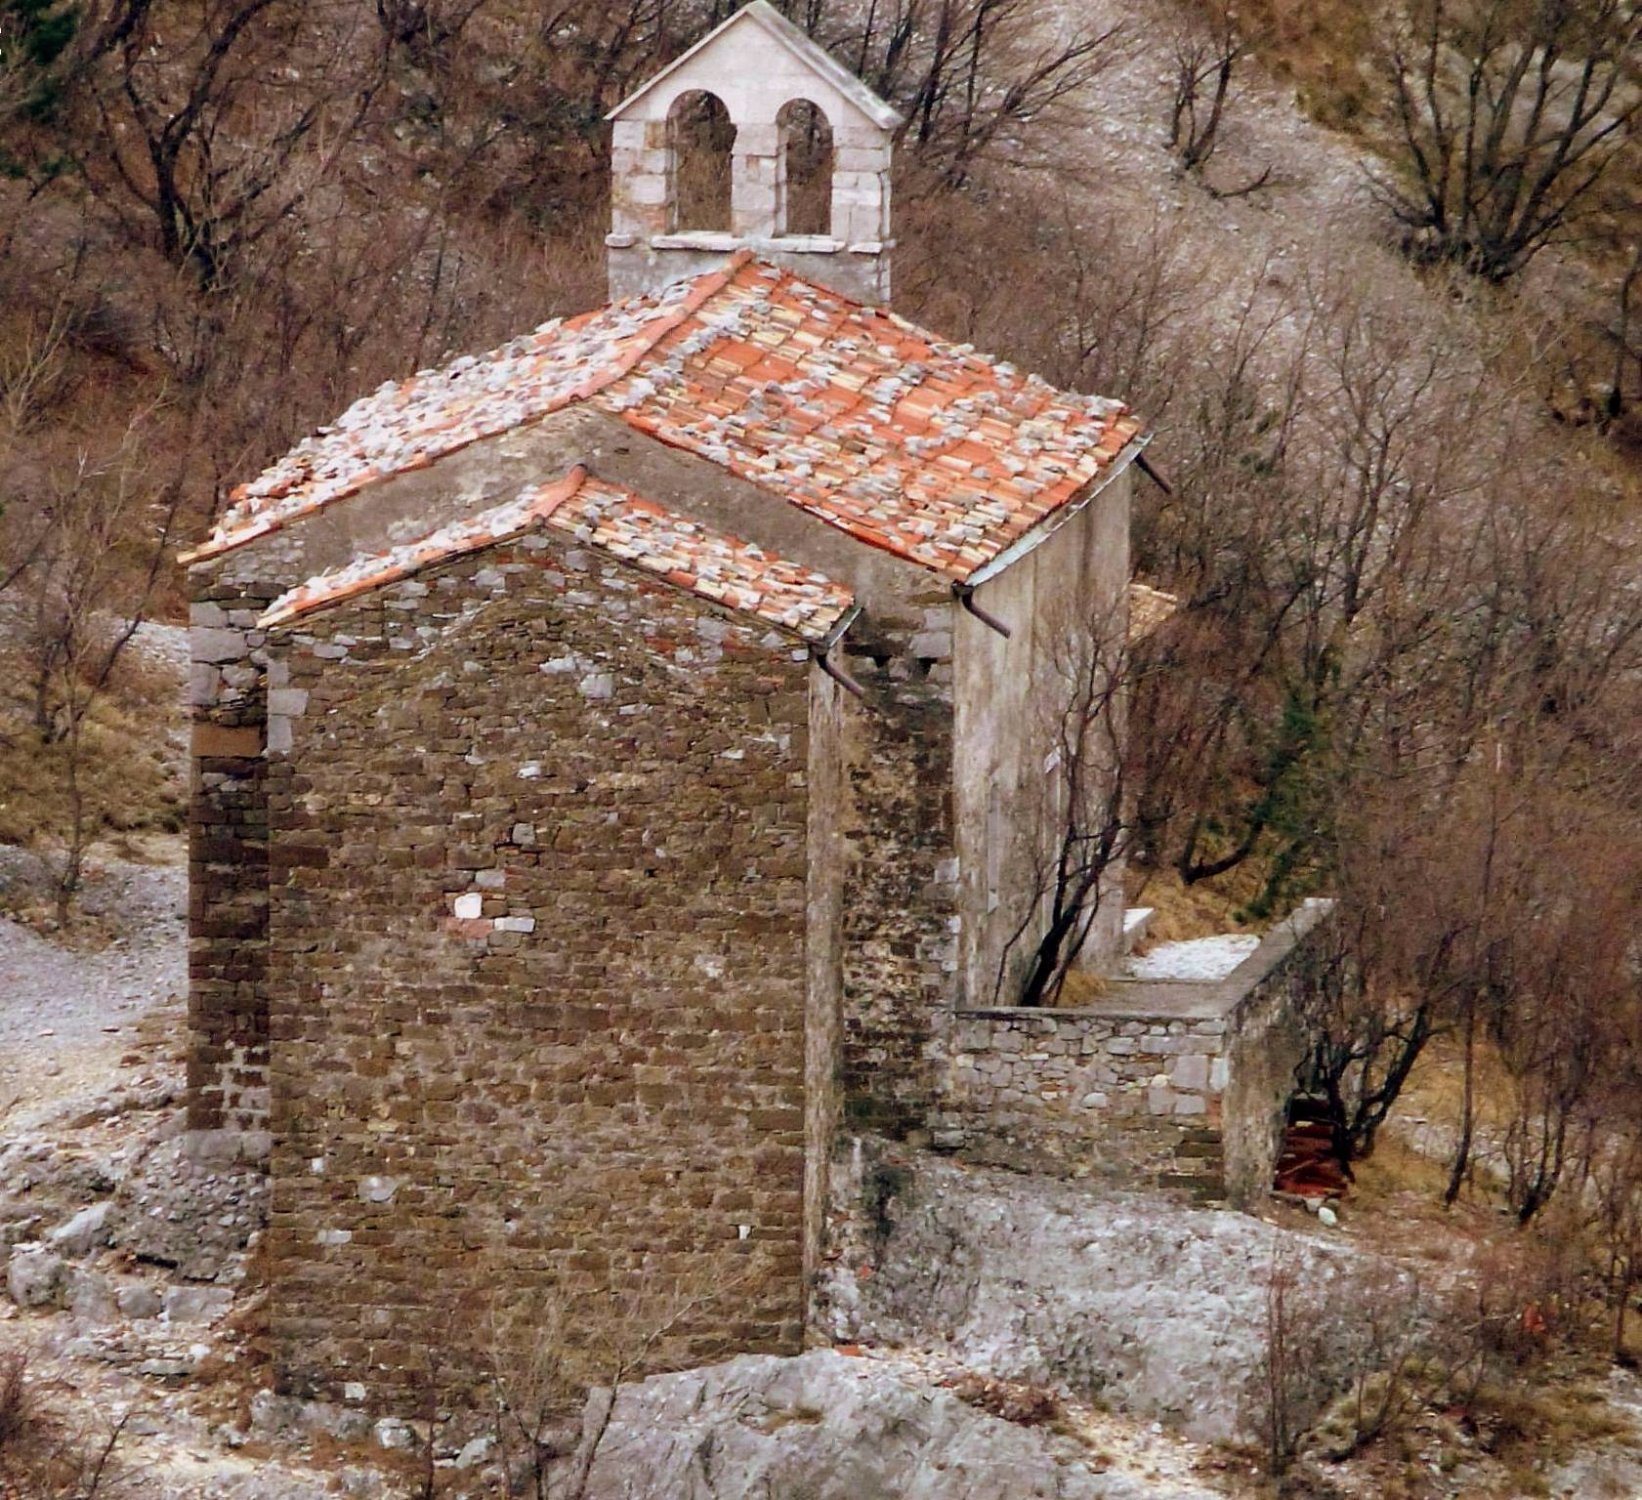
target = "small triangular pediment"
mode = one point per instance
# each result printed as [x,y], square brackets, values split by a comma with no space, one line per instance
[794,44]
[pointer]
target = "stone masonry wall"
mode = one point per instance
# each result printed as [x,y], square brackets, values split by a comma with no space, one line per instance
[228,866]
[900,877]
[1124,1099]
[538,965]
[1180,1086]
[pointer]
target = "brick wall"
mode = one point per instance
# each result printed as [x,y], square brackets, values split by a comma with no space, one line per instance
[537,953]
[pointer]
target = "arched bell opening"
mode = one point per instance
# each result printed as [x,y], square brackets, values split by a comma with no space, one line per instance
[701,149]
[804,170]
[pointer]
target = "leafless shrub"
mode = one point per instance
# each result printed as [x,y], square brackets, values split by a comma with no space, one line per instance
[15,1401]
[1206,55]
[557,1365]
[1509,118]
[1292,1379]
[1406,1348]
[48,1452]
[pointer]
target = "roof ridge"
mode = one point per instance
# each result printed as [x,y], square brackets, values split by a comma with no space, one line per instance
[708,285]
[362,574]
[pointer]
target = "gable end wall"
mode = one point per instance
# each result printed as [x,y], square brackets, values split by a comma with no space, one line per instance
[598,1080]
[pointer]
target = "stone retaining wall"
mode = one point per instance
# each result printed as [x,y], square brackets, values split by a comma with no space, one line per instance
[1175,1085]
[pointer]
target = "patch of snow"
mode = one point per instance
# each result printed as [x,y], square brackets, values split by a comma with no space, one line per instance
[1198,959]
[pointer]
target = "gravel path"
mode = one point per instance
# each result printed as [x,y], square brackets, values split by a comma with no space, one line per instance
[68,1008]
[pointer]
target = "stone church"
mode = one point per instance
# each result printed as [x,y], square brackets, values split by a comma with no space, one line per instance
[623,757]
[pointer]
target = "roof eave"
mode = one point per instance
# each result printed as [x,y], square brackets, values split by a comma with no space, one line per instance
[1050,524]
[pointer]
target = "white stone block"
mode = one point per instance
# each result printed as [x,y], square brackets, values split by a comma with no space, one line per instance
[217,645]
[469,905]
[1190,1071]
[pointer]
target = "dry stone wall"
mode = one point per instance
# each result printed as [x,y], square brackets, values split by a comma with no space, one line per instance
[537,959]
[1174,1085]
[1118,1098]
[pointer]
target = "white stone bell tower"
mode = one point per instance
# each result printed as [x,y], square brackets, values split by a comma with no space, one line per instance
[781,116]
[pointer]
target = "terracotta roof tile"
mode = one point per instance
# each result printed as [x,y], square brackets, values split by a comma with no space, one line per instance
[407,426]
[688,555]
[905,441]
[373,569]
[732,572]
[910,443]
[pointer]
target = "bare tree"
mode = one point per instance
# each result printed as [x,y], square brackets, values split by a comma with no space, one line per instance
[1206,55]
[968,74]
[88,576]
[1509,117]
[215,131]
[1086,826]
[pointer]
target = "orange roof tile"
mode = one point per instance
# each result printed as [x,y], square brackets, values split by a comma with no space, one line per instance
[922,447]
[407,426]
[723,569]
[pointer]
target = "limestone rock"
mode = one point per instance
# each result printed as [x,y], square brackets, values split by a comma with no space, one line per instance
[90,1297]
[194,1215]
[827,1427]
[1150,1308]
[478,1451]
[394,1433]
[35,1277]
[85,1232]
[136,1299]
[196,1304]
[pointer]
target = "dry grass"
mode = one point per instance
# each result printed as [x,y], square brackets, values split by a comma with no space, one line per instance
[130,774]
[1082,988]
[1181,911]
[1320,47]
[50,1449]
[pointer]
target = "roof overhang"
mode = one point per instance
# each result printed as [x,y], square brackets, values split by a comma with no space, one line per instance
[1053,522]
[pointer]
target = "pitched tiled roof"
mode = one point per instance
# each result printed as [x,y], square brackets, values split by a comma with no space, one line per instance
[924,448]
[408,426]
[688,555]
[725,569]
